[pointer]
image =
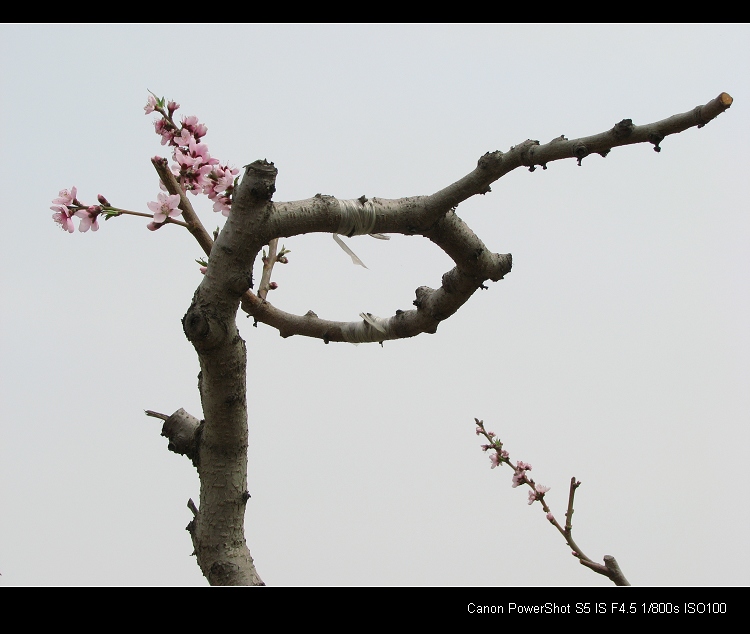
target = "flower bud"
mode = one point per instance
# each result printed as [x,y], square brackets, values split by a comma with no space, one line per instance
[273,286]
[103,200]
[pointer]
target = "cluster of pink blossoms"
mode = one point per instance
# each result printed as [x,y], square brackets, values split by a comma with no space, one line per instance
[66,205]
[500,456]
[519,477]
[195,169]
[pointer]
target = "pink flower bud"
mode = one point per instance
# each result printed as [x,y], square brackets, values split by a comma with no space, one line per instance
[103,200]
[273,286]
[550,517]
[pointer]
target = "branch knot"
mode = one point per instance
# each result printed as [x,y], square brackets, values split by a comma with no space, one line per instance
[623,129]
[580,151]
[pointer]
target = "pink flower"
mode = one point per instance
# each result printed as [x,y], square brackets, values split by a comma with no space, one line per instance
[219,179]
[66,197]
[480,431]
[165,130]
[192,179]
[182,138]
[172,106]
[223,204]
[537,493]
[89,218]
[196,129]
[166,207]
[151,105]
[495,460]
[196,156]
[519,477]
[64,217]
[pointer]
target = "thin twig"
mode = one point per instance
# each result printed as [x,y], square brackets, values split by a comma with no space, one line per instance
[610,569]
[268,262]
[156,414]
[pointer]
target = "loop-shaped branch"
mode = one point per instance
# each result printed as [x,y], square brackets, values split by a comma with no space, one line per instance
[433,217]
[474,264]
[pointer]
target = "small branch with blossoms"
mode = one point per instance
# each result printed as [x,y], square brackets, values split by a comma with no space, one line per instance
[500,456]
[66,206]
[194,168]
[194,171]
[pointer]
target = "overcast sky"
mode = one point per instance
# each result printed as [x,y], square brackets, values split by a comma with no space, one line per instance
[616,351]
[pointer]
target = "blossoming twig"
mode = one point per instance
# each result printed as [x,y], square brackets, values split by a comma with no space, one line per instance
[194,168]
[500,456]
[67,205]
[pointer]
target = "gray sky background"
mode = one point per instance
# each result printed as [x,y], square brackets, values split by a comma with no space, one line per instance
[616,351]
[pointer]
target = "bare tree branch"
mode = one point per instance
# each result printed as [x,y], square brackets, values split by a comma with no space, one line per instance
[434,217]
